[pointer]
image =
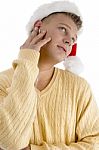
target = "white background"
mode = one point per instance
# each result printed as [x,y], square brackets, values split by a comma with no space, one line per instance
[14,16]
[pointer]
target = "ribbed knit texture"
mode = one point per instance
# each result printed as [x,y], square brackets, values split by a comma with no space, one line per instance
[63,116]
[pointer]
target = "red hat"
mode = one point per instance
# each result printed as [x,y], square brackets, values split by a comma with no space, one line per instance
[72,62]
[74,49]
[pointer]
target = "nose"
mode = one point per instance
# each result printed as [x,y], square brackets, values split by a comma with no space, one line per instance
[67,40]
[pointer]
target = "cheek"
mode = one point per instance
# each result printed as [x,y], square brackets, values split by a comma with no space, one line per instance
[53,34]
[56,38]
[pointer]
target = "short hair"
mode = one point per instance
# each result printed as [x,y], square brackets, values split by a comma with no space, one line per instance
[77,20]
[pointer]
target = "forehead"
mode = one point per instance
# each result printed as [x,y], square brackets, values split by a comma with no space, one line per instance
[58,18]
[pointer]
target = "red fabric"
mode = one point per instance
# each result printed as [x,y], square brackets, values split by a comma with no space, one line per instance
[74,49]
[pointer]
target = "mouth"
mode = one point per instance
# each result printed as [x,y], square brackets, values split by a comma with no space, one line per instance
[62,48]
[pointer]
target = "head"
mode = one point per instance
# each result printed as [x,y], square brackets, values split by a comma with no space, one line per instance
[62,27]
[63,31]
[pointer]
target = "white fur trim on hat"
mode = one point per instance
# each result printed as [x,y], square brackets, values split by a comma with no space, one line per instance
[73,64]
[49,8]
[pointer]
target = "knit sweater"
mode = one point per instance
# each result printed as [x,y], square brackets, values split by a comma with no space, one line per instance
[63,116]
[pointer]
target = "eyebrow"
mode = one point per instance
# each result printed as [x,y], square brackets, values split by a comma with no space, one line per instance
[66,25]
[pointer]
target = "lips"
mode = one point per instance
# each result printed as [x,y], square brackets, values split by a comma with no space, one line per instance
[62,48]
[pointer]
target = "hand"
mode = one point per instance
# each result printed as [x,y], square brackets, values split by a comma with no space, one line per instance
[36,40]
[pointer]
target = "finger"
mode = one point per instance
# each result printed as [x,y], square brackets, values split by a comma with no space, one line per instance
[38,37]
[43,42]
[32,35]
[35,31]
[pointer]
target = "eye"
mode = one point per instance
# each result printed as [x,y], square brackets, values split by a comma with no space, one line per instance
[63,29]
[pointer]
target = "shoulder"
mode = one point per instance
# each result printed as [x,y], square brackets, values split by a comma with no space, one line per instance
[77,86]
[6,78]
[73,80]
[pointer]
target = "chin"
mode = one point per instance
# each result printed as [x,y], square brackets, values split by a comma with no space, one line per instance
[59,60]
[53,54]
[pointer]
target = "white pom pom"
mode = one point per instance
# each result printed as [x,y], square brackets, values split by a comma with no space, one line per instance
[73,64]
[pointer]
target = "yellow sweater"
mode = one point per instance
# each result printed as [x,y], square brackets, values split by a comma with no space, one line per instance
[63,116]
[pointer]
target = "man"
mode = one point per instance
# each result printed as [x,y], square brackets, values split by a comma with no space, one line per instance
[43,107]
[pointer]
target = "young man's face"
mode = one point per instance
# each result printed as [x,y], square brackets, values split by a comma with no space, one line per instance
[63,32]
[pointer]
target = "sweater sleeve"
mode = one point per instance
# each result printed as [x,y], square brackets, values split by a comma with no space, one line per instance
[87,129]
[18,105]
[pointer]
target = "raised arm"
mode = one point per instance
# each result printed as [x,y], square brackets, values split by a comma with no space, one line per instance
[18,105]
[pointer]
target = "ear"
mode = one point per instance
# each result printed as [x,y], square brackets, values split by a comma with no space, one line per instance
[73,51]
[38,23]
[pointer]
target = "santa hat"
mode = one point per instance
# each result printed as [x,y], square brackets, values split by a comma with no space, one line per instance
[72,62]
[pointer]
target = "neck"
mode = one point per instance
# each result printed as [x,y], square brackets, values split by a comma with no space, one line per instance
[44,77]
[45,65]
[46,69]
